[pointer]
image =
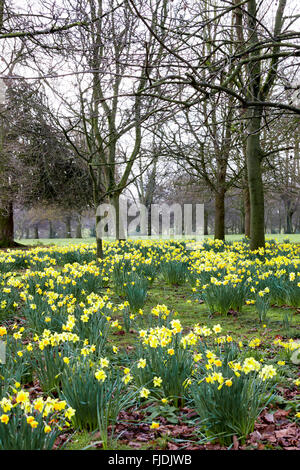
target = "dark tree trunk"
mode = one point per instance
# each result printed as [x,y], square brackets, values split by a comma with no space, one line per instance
[149,228]
[99,242]
[247,212]
[242,218]
[68,227]
[256,192]
[220,215]
[7,227]
[279,220]
[205,222]
[79,230]
[289,212]
[289,222]
[51,230]
[36,231]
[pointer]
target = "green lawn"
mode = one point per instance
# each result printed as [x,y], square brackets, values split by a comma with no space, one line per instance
[294,238]
[242,325]
[55,241]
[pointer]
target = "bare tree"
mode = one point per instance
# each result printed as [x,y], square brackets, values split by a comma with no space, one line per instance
[103,116]
[266,56]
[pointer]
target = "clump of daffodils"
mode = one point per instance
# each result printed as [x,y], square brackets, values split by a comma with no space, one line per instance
[32,424]
[160,336]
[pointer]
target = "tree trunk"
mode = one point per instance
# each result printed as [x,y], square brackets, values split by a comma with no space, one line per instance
[120,217]
[79,230]
[247,211]
[7,227]
[254,157]
[21,234]
[149,228]
[271,224]
[97,201]
[51,230]
[297,225]
[68,227]
[242,217]
[279,220]
[99,241]
[205,222]
[36,231]
[289,218]
[220,215]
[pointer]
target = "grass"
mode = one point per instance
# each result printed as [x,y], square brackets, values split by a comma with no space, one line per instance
[245,323]
[83,440]
[280,237]
[55,241]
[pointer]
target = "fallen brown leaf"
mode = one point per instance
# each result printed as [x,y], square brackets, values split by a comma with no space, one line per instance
[255,436]
[269,418]
[142,437]
[134,444]
[289,431]
[172,446]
